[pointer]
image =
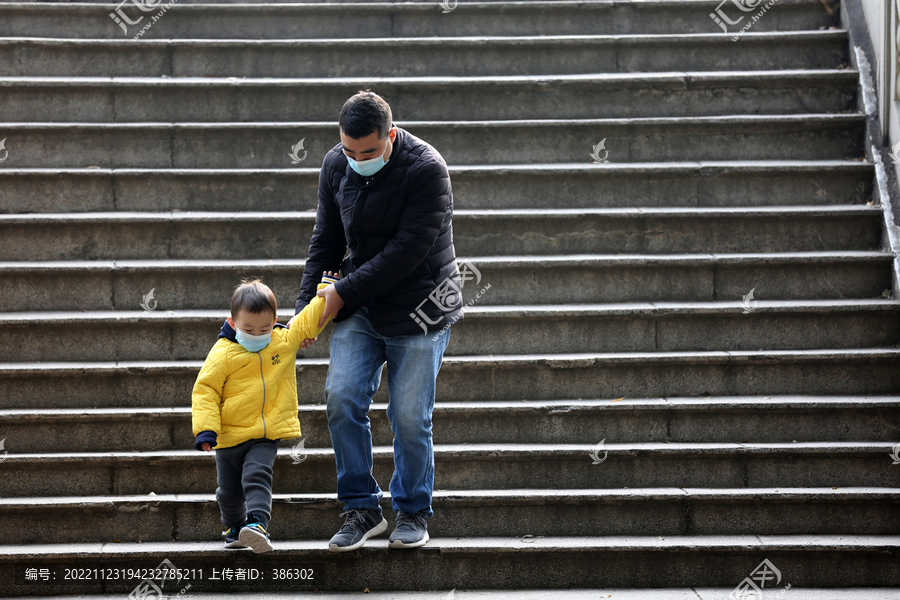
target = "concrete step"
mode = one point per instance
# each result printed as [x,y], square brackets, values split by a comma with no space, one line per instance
[161,384]
[268,145]
[693,593]
[320,20]
[719,419]
[477,466]
[515,562]
[178,285]
[494,330]
[515,512]
[196,99]
[477,55]
[617,185]
[284,235]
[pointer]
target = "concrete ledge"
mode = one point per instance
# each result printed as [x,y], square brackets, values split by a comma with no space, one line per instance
[474,378]
[267,145]
[655,561]
[420,56]
[403,19]
[199,284]
[626,95]
[859,593]
[464,513]
[739,183]
[489,330]
[285,235]
[774,419]
[479,466]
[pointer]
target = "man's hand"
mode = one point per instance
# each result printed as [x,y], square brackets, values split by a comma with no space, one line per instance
[333,304]
[206,447]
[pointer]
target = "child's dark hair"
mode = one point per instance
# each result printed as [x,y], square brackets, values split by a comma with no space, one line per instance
[253,296]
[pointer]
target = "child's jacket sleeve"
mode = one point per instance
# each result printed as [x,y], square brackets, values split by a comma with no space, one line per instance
[306,322]
[206,399]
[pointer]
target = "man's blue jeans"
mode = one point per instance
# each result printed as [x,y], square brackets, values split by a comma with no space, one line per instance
[358,354]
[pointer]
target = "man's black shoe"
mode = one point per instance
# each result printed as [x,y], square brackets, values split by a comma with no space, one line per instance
[361,524]
[411,531]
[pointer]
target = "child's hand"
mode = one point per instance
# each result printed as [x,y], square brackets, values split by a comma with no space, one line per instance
[206,447]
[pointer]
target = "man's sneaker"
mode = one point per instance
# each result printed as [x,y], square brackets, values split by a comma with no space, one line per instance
[254,535]
[361,524]
[231,538]
[411,531]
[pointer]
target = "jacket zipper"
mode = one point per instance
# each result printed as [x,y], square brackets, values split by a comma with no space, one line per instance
[262,412]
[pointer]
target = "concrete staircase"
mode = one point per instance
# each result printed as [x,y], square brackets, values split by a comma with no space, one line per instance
[732,431]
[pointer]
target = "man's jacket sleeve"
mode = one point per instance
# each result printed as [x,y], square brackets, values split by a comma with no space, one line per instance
[328,244]
[206,398]
[426,204]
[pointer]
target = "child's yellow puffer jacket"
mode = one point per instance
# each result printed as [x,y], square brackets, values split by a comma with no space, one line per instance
[241,395]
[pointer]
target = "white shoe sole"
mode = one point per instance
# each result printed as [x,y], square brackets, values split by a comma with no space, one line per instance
[235,545]
[255,540]
[378,529]
[400,544]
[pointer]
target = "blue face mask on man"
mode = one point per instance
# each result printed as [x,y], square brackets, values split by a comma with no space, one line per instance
[369,167]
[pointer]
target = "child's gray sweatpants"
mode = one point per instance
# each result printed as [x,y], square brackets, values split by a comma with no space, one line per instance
[244,477]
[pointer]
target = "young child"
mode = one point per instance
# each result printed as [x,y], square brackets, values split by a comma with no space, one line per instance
[245,401]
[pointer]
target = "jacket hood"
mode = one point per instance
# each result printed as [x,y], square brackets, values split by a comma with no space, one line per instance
[230,334]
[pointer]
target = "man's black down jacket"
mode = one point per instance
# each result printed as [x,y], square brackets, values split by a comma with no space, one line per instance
[397,225]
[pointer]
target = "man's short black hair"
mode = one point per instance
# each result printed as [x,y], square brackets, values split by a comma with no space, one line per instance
[364,113]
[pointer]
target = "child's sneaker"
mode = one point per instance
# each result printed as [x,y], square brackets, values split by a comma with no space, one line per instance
[232,539]
[254,535]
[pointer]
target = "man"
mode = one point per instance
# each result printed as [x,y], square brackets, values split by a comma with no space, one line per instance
[385,195]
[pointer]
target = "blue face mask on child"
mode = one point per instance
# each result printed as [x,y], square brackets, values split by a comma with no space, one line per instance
[253,343]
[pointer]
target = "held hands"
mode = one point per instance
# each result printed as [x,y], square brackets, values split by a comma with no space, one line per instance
[333,303]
